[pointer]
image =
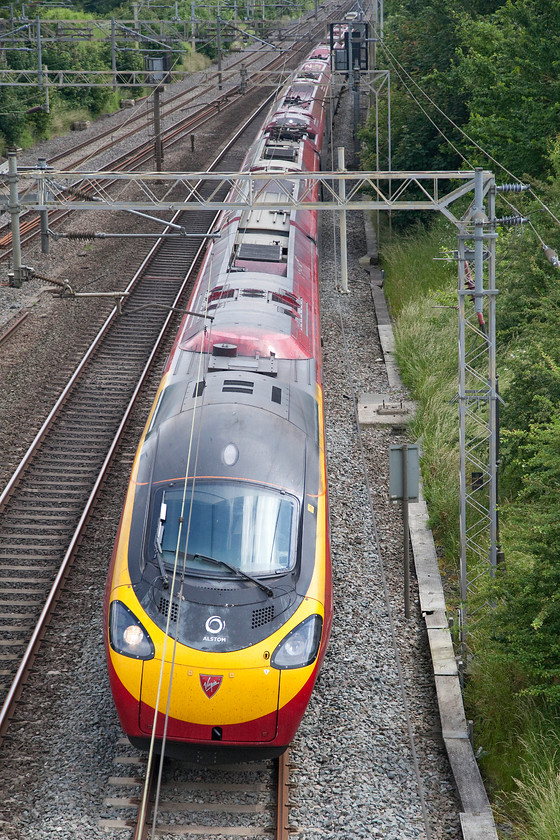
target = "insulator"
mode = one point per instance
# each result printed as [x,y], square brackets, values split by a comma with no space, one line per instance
[551,256]
[512,187]
[81,237]
[512,220]
[78,193]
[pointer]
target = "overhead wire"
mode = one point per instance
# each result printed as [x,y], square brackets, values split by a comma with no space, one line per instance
[198,404]
[397,65]
[176,563]
[174,636]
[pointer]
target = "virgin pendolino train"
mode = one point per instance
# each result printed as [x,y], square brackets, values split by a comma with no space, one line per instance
[218,603]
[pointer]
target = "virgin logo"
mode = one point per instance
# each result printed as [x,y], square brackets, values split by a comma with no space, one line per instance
[210,683]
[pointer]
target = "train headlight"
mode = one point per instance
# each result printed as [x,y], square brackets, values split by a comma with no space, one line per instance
[127,635]
[301,645]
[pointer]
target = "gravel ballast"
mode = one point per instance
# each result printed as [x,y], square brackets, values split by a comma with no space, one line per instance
[368,760]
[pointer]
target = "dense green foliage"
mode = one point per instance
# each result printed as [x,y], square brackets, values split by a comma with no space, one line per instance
[493,69]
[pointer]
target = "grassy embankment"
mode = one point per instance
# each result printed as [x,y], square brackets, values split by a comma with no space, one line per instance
[517,726]
[64,113]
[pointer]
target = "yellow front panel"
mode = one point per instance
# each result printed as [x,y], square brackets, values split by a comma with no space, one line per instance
[242,694]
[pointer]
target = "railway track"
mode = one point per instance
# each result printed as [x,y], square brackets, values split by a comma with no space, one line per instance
[131,160]
[131,126]
[144,151]
[46,505]
[239,800]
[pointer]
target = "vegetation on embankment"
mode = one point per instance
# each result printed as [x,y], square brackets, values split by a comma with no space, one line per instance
[513,687]
[24,115]
[487,64]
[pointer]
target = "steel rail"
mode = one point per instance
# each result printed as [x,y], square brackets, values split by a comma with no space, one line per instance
[13,327]
[283,797]
[277,774]
[38,633]
[180,99]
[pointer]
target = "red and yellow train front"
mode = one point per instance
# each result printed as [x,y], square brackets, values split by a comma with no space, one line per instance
[250,698]
[218,604]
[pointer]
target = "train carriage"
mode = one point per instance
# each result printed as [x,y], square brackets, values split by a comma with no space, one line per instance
[218,602]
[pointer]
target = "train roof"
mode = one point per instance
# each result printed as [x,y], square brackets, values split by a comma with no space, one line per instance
[268,424]
[254,311]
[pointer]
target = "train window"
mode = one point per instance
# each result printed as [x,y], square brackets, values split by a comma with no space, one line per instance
[169,403]
[245,525]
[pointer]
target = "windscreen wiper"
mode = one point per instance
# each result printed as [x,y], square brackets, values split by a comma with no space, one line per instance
[233,568]
[159,558]
[158,542]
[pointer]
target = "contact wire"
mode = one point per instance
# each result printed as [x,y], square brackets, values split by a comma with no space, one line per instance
[145,793]
[198,404]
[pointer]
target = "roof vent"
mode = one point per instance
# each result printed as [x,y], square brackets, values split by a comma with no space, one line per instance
[224,350]
[238,386]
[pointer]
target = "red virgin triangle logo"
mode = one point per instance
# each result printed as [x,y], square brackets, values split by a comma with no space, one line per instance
[210,683]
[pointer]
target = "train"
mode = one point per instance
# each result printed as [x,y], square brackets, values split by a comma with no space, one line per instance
[218,603]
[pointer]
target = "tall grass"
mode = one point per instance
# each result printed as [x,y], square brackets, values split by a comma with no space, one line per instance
[421,290]
[62,117]
[538,790]
[518,738]
[192,61]
[413,267]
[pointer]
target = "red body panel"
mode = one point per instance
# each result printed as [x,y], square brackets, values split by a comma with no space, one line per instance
[281,725]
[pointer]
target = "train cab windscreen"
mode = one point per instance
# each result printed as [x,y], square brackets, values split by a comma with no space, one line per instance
[211,527]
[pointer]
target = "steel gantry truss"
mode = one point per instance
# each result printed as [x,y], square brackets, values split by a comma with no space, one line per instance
[388,190]
[140,36]
[478,401]
[41,190]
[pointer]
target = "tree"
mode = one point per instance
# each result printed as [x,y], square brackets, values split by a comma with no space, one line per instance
[510,72]
[420,44]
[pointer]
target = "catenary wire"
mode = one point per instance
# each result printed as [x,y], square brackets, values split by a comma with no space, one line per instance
[395,62]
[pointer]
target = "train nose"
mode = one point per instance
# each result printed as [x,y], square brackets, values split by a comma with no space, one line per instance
[227,706]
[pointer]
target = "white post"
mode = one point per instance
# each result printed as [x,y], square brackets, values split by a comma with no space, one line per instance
[343,243]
